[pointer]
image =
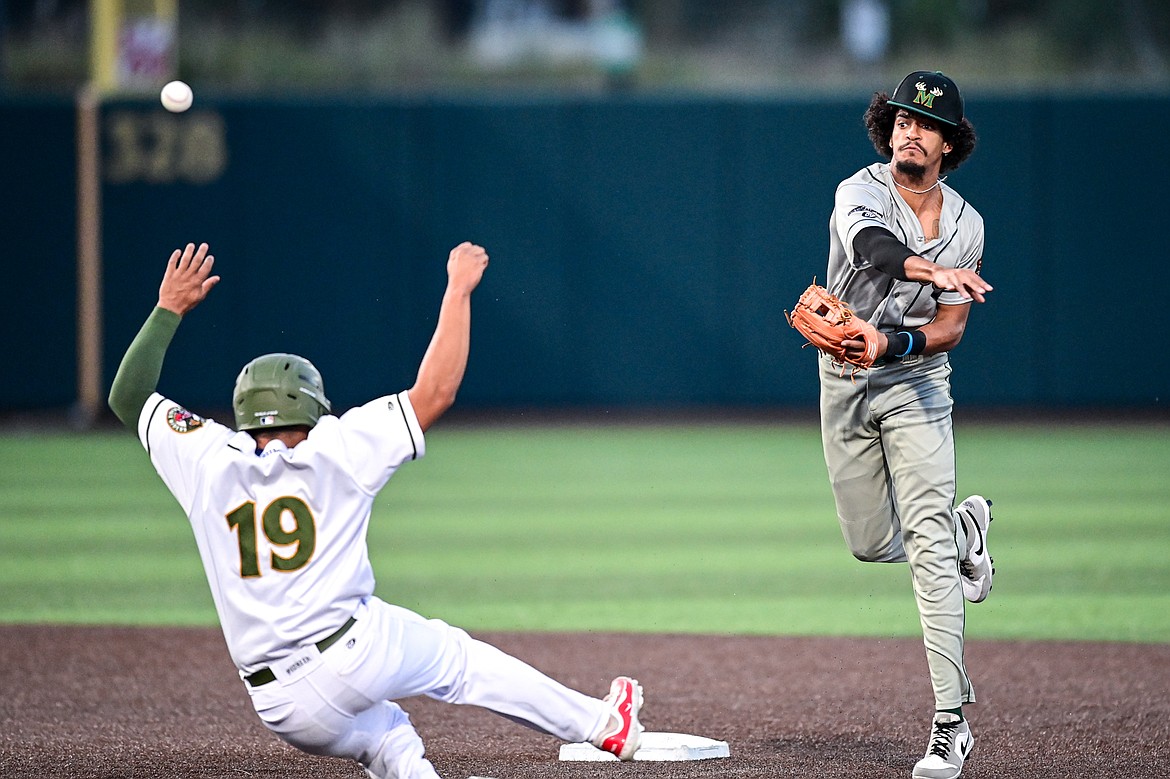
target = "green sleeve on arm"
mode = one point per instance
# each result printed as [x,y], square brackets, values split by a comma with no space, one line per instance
[138,374]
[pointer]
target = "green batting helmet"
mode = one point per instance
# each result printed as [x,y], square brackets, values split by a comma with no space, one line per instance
[279,390]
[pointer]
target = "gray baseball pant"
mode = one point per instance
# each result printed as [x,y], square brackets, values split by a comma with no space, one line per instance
[889,448]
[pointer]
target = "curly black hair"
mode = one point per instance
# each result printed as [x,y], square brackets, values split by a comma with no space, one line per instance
[879,120]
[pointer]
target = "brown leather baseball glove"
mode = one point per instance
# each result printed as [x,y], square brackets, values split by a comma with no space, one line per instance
[827,321]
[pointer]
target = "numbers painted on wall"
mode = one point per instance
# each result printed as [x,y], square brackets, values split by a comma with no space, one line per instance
[160,148]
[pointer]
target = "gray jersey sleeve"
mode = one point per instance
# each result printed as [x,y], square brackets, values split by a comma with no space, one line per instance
[856,206]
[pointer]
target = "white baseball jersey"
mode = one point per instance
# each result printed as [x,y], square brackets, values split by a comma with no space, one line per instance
[870,198]
[282,533]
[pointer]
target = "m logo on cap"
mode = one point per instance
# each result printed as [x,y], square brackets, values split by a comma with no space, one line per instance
[930,93]
[926,99]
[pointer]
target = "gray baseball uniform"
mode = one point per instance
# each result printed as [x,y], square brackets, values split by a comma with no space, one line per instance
[886,431]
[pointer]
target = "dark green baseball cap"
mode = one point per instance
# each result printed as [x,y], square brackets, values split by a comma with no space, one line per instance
[932,94]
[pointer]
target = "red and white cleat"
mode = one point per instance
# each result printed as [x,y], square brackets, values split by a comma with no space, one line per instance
[624,732]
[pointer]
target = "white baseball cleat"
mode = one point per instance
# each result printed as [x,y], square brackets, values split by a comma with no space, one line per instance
[624,732]
[950,743]
[977,567]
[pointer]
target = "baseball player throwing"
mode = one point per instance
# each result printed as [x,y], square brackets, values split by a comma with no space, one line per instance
[280,509]
[905,253]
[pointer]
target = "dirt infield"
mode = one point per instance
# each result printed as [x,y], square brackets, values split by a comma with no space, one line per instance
[95,702]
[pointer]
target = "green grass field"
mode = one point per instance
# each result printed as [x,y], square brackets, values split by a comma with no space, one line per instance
[721,528]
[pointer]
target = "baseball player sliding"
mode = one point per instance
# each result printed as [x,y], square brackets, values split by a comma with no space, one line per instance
[280,509]
[905,254]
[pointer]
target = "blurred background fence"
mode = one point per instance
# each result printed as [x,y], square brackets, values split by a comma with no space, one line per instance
[653,181]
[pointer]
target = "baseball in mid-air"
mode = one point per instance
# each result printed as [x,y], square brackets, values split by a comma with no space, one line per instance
[177,97]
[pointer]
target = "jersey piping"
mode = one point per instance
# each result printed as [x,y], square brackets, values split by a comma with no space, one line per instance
[406,424]
[153,411]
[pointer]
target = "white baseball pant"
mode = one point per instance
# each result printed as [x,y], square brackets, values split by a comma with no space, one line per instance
[340,702]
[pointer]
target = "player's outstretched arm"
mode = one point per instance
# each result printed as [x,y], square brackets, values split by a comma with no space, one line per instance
[965,281]
[443,365]
[185,284]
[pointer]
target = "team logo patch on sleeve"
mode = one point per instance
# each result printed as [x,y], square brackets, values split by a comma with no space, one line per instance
[183,421]
[866,212]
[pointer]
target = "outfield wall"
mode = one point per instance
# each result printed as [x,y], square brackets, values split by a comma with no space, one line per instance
[643,248]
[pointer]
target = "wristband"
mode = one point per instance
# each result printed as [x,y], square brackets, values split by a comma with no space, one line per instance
[899,345]
[904,343]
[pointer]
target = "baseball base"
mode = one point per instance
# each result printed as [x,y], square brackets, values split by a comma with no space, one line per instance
[655,746]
